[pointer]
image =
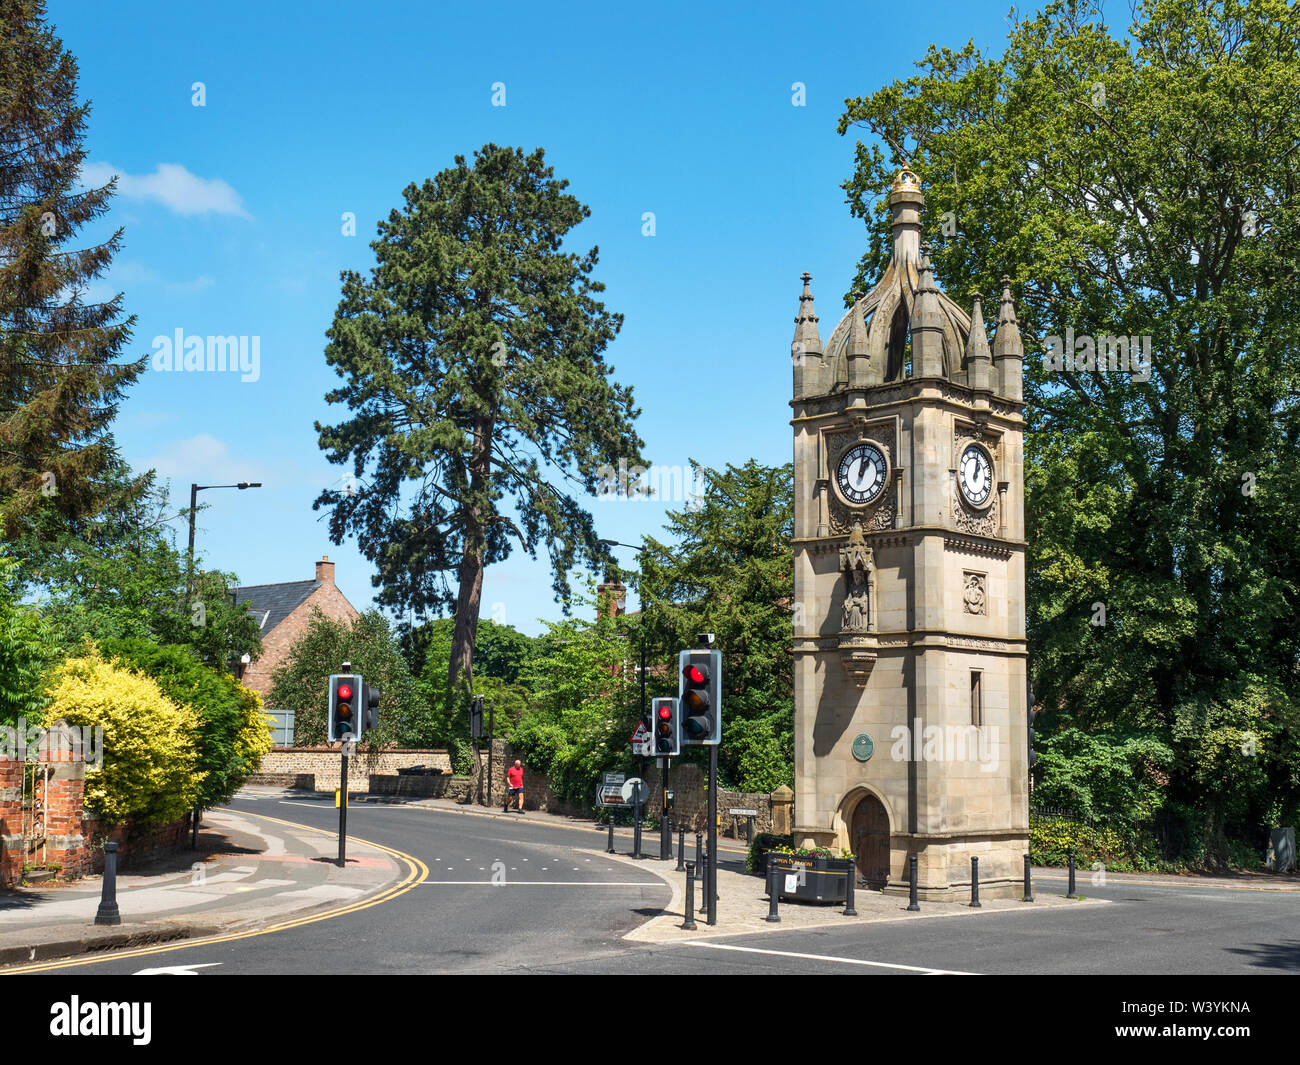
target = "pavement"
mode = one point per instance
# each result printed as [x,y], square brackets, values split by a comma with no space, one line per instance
[256,873]
[249,873]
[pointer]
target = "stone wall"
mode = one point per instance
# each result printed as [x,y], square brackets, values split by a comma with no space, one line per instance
[688,783]
[323,763]
[293,766]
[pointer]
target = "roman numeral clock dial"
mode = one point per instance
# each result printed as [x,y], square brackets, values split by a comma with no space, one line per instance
[975,475]
[861,474]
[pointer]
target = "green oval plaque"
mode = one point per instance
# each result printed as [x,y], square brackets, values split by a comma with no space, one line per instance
[863,747]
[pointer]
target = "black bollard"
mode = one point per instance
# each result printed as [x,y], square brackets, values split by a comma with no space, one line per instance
[689,924]
[681,848]
[704,888]
[1070,894]
[912,904]
[1029,885]
[108,912]
[975,882]
[636,831]
[773,894]
[610,848]
[849,911]
[699,856]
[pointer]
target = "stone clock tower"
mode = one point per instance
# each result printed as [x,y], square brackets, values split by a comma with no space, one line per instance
[909,580]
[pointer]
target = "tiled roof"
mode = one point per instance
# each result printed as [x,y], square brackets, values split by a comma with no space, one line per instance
[270,604]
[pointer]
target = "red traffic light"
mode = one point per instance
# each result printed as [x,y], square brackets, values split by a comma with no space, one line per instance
[694,675]
[345,692]
[665,713]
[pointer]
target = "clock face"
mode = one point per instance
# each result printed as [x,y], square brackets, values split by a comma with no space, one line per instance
[861,474]
[975,474]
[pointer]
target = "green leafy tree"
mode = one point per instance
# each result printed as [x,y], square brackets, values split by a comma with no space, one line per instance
[116,574]
[472,368]
[60,381]
[28,647]
[1135,187]
[300,682]
[729,571]
[233,732]
[500,651]
[583,704]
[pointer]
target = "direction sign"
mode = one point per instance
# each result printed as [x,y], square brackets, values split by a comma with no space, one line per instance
[610,795]
[635,790]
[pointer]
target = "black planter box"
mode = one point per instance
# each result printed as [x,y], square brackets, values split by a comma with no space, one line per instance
[825,879]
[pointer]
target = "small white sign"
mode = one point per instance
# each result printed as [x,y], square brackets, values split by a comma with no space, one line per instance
[635,790]
[791,882]
[743,813]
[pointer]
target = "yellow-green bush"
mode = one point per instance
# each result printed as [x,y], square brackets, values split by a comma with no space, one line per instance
[149,773]
[257,734]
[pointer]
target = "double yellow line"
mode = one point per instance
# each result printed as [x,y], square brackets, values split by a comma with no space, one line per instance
[416,871]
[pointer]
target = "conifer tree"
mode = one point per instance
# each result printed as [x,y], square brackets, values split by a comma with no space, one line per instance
[472,367]
[60,381]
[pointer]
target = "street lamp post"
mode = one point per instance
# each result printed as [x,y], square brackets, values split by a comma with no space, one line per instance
[665,834]
[195,489]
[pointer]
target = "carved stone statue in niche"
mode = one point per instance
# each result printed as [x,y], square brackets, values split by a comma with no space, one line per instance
[973,594]
[858,563]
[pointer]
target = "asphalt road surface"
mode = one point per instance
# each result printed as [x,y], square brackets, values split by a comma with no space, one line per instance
[557,910]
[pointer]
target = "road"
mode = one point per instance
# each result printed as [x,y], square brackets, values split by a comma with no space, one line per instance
[528,896]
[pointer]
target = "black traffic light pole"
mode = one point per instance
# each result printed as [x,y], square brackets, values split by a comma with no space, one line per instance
[343,808]
[711,873]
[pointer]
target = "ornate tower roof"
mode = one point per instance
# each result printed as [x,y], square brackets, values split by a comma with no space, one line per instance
[886,312]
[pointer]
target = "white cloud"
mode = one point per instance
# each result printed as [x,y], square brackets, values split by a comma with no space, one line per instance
[202,459]
[197,285]
[171,185]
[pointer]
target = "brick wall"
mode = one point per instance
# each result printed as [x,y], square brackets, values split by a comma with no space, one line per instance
[11,840]
[277,643]
[73,840]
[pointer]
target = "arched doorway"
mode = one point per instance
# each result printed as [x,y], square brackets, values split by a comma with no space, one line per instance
[869,840]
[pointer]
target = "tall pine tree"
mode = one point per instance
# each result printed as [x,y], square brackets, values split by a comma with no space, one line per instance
[472,367]
[60,381]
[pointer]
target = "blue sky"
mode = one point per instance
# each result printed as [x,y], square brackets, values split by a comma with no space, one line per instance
[233,214]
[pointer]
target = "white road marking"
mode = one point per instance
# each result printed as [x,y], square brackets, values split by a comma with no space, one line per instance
[178,970]
[827,957]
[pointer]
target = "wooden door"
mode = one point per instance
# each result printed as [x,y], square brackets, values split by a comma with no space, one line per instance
[869,836]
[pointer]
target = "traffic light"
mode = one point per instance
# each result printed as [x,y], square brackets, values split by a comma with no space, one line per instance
[667,727]
[344,714]
[369,708]
[699,692]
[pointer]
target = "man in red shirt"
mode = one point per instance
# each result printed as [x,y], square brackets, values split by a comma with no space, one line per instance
[515,778]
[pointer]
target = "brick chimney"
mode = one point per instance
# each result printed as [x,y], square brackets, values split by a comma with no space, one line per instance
[325,570]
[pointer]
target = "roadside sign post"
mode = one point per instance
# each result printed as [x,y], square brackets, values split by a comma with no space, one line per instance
[636,791]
